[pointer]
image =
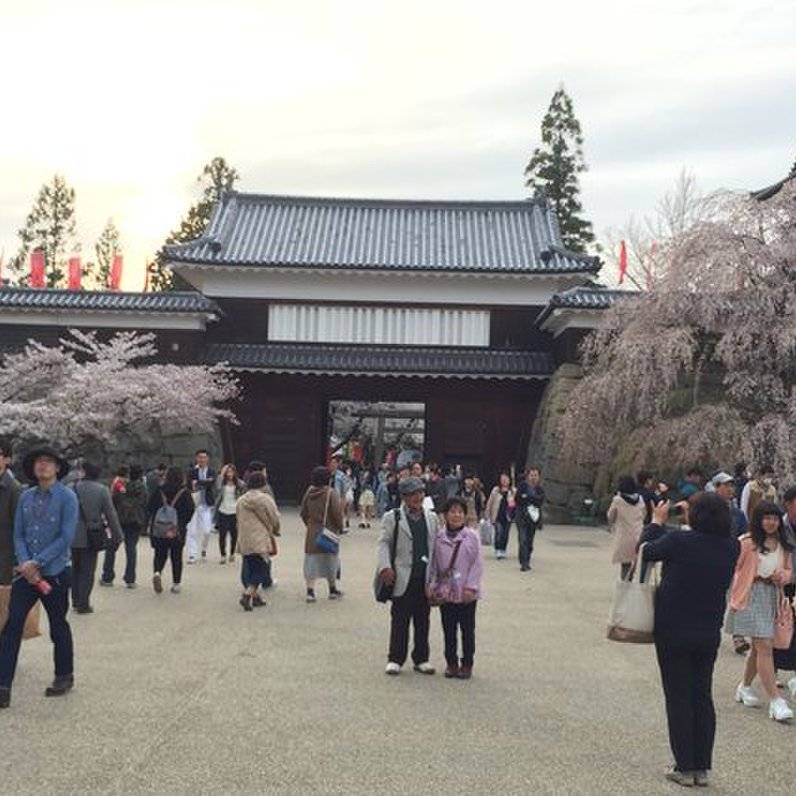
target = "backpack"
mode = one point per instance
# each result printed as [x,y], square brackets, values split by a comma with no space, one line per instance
[165,524]
[131,505]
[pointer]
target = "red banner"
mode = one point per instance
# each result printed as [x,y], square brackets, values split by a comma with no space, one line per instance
[116,271]
[622,262]
[37,269]
[75,273]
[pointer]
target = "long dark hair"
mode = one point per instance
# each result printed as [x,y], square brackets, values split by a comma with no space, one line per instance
[767,509]
[174,480]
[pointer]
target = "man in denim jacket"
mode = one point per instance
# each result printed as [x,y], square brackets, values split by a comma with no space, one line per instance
[44,527]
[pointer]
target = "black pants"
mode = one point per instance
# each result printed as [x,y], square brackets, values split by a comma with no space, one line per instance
[454,616]
[84,565]
[526,534]
[169,549]
[412,606]
[56,604]
[687,676]
[227,525]
[131,533]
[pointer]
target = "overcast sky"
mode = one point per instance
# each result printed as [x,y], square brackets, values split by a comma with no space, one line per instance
[417,99]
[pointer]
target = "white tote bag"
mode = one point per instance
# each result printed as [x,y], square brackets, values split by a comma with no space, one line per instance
[632,617]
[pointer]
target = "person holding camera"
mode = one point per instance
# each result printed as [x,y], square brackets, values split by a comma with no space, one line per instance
[44,526]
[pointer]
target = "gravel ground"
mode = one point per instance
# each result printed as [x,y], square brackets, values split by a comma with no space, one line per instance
[186,693]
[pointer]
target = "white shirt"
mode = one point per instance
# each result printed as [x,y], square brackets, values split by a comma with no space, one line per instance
[768,562]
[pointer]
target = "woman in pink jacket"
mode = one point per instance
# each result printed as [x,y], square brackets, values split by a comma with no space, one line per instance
[763,568]
[454,583]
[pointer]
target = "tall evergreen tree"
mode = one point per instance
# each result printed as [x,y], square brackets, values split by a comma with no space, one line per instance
[50,226]
[553,170]
[217,177]
[105,248]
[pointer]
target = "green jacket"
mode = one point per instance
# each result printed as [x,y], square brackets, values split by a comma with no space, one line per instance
[10,490]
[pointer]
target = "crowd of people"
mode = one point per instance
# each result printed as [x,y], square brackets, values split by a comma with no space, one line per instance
[728,552]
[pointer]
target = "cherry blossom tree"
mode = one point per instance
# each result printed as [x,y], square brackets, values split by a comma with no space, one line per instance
[86,391]
[701,368]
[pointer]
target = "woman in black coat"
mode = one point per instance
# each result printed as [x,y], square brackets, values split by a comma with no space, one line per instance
[698,566]
[174,492]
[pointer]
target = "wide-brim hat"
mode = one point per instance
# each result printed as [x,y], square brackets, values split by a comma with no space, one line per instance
[44,450]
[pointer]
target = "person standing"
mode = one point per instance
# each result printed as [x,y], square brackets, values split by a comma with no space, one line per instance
[202,479]
[499,508]
[44,526]
[320,508]
[454,583]
[764,568]
[228,489]
[689,608]
[10,490]
[626,517]
[530,498]
[95,514]
[130,501]
[760,488]
[414,529]
[168,543]
[258,527]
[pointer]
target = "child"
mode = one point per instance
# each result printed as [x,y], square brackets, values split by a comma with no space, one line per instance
[763,569]
[454,583]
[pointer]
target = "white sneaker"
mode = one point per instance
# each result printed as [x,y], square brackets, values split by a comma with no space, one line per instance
[424,668]
[191,560]
[779,710]
[747,696]
[792,687]
[392,669]
[175,589]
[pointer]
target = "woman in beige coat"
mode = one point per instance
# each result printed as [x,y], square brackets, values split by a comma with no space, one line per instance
[626,517]
[258,527]
[321,507]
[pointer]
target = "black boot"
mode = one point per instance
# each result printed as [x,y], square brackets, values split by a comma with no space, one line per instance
[5,697]
[60,685]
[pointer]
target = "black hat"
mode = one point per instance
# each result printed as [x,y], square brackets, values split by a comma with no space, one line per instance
[44,450]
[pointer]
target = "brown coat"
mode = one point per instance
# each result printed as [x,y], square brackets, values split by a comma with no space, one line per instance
[258,524]
[311,511]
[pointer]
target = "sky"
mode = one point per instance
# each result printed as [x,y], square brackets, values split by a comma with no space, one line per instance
[420,99]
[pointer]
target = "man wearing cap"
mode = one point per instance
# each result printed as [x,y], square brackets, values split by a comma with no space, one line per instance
[414,529]
[44,527]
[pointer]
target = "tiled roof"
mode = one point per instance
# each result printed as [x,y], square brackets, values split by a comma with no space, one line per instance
[582,298]
[293,232]
[772,190]
[382,360]
[35,299]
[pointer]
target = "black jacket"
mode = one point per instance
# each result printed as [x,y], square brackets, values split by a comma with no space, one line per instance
[697,571]
[208,484]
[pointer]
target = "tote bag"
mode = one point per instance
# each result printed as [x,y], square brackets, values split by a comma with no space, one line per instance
[632,617]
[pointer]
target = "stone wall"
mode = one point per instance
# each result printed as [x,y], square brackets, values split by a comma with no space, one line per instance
[567,484]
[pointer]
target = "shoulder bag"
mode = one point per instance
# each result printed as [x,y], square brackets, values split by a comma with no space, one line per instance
[632,617]
[97,536]
[443,590]
[328,541]
[381,591]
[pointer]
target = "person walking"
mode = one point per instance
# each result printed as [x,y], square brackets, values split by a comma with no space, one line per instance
[130,502]
[10,491]
[258,526]
[228,489]
[202,479]
[454,583]
[320,507]
[530,499]
[499,510]
[96,516]
[764,567]
[689,607]
[411,529]
[626,518]
[171,509]
[44,526]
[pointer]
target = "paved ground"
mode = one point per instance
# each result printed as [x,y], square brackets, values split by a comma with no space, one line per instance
[179,693]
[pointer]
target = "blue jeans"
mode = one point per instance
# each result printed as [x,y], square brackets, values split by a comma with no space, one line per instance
[502,535]
[131,536]
[56,604]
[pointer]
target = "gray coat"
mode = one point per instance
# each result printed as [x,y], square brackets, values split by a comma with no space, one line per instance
[10,490]
[95,505]
[403,548]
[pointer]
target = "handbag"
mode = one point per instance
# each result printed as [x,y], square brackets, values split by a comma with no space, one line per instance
[487,532]
[327,540]
[443,589]
[632,617]
[97,536]
[783,624]
[381,591]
